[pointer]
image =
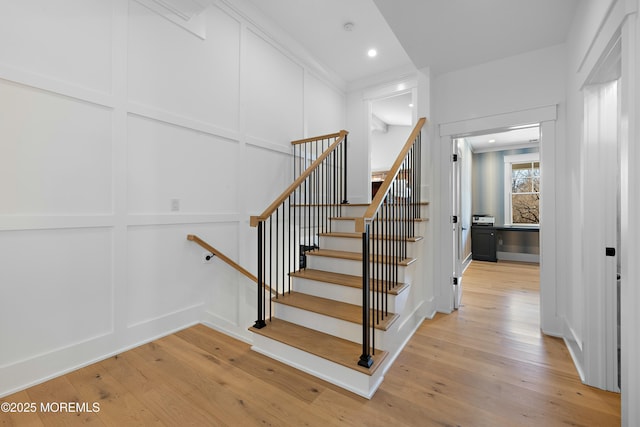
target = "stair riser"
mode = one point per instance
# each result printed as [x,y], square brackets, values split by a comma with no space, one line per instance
[343,293]
[332,326]
[355,245]
[354,381]
[353,211]
[349,226]
[343,225]
[345,266]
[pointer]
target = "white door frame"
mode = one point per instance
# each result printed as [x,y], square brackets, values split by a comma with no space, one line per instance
[618,25]
[550,321]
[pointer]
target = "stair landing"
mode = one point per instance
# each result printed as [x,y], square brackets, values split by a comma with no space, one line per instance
[329,347]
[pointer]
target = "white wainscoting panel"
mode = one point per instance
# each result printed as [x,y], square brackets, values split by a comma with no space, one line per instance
[322,107]
[267,182]
[56,290]
[165,272]
[168,163]
[66,40]
[272,92]
[55,155]
[172,70]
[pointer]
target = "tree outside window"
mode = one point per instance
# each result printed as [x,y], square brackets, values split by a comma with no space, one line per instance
[522,189]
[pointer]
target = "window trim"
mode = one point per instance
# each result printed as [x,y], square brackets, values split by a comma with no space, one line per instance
[508,162]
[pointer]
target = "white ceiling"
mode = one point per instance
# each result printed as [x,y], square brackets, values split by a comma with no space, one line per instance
[318,25]
[443,34]
[517,138]
[395,110]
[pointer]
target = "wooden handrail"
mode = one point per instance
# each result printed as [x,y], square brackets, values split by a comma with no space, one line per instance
[286,193]
[318,138]
[386,185]
[222,256]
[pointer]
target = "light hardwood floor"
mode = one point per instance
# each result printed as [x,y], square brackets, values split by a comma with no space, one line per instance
[484,365]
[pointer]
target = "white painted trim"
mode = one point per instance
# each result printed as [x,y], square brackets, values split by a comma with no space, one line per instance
[499,121]
[195,24]
[217,323]
[263,27]
[549,321]
[630,200]
[508,170]
[614,19]
[168,117]
[49,84]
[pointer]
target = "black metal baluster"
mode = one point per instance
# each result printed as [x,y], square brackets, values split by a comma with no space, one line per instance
[260,323]
[365,358]
[344,147]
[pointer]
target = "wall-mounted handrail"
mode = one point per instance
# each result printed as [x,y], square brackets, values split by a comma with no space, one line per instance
[222,256]
[340,137]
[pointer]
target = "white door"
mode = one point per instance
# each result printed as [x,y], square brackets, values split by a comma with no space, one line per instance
[457,222]
[600,233]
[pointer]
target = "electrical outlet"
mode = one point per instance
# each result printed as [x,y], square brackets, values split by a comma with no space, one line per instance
[207,257]
[175,205]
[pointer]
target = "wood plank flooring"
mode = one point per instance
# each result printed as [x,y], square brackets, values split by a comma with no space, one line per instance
[484,365]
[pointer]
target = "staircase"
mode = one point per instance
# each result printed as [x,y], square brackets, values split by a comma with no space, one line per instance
[335,294]
[316,326]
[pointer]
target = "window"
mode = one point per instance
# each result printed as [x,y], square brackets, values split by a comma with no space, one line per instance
[522,189]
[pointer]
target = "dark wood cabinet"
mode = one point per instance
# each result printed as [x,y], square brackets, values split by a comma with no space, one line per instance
[483,243]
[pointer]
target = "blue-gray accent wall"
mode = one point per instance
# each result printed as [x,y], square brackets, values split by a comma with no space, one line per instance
[487,197]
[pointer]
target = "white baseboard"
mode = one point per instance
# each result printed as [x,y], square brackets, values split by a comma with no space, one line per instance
[517,256]
[574,344]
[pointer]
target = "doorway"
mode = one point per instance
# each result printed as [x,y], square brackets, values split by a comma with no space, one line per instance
[391,119]
[496,197]
[550,322]
[601,219]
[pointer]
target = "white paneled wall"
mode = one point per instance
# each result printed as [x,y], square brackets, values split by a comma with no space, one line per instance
[273,95]
[120,133]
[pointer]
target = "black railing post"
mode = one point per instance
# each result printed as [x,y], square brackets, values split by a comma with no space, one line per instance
[345,200]
[260,323]
[365,359]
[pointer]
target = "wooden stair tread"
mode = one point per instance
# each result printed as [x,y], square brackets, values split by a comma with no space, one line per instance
[337,350]
[354,256]
[359,236]
[342,279]
[332,308]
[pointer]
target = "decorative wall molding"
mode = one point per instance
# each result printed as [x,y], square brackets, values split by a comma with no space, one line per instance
[187,14]
[148,112]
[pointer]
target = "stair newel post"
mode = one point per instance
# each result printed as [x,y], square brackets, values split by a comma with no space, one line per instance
[365,358]
[344,170]
[260,323]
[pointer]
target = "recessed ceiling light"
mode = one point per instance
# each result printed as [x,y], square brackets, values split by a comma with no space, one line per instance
[491,141]
[411,105]
[372,53]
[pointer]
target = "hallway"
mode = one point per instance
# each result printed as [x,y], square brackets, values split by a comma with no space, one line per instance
[484,365]
[492,366]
